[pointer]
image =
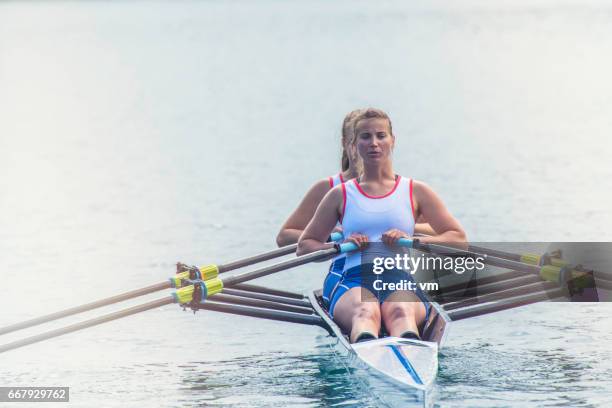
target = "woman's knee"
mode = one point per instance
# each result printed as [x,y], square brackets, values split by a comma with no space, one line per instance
[400,311]
[367,311]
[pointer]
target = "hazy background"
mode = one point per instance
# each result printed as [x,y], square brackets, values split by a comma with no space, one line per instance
[137,134]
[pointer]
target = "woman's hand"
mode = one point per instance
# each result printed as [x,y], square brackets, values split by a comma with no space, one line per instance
[358,239]
[392,236]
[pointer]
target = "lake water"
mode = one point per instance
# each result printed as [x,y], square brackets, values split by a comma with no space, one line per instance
[137,134]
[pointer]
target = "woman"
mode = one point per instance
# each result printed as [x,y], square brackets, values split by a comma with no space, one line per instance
[379,206]
[294,226]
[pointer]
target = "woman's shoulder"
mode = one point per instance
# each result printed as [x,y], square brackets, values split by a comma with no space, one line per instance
[422,190]
[322,184]
[418,184]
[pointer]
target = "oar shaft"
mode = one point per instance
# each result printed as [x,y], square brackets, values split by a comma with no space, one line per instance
[276,253]
[478,289]
[86,307]
[88,323]
[486,308]
[264,296]
[142,291]
[505,293]
[279,315]
[489,260]
[229,281]
[495,252]
[281,266]
[261,289]
[248,301]
[489,251]
[485,280]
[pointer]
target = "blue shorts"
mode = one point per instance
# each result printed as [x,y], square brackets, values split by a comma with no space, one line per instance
[332,279]
[335,287]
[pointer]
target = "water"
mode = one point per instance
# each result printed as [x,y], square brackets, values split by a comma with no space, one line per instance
[134,135]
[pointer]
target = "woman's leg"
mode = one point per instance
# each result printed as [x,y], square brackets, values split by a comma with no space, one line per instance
[403,312]
[356,316]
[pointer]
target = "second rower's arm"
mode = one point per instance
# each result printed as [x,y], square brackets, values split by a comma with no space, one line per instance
[429,205]
[322,223]
[294,226]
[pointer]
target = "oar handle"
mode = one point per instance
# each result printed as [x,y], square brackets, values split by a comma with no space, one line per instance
[350,246]
[407,242]
[336,236]
[347,247]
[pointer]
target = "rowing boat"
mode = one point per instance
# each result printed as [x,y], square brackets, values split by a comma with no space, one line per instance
[410,365]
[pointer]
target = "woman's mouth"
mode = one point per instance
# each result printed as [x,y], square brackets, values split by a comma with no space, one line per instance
[374,154]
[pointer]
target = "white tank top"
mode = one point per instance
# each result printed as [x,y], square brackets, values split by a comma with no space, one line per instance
[374,215]
[335,180]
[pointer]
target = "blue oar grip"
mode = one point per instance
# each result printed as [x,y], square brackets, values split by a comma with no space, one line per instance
[347,247]
[336,236]
[350,247]
[405,242]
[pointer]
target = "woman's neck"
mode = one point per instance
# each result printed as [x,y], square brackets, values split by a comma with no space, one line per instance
[378,173]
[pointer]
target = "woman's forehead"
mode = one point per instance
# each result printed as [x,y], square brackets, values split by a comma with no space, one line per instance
[372,125]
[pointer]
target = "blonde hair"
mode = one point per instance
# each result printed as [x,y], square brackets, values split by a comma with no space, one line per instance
[370,113]
[348,134]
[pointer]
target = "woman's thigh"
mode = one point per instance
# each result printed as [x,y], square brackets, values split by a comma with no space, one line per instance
[353,303]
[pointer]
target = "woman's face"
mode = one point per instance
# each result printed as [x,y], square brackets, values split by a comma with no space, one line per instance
[374,140]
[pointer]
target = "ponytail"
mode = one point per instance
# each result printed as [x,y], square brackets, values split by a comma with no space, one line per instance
[344,163]
[347,136]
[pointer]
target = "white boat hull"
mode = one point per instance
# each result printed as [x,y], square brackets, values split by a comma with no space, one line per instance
[409,366]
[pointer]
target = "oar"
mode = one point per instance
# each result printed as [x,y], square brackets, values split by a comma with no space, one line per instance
[507,303]
[560,271]
[504,295]
[174,282]
[519,289]
[198,292]
[203,272]
[558,280]
[526,257]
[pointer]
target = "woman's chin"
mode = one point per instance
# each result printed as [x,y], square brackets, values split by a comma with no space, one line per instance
[373,160]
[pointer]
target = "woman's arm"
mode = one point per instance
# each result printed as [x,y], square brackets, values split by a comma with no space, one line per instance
[423,228]
[322,223]
[429,205]
[294,226]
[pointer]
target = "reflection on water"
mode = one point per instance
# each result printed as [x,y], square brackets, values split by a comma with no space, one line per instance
[271,379]
[536,358]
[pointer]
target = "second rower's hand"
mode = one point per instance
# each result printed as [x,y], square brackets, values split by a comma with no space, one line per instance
[308,245]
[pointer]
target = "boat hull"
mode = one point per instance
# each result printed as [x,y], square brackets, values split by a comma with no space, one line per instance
[405,366]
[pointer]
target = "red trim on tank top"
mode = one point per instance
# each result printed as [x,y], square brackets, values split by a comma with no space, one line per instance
[331,182]
[341,178]
[382,196]
[343,202]
[412,203]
